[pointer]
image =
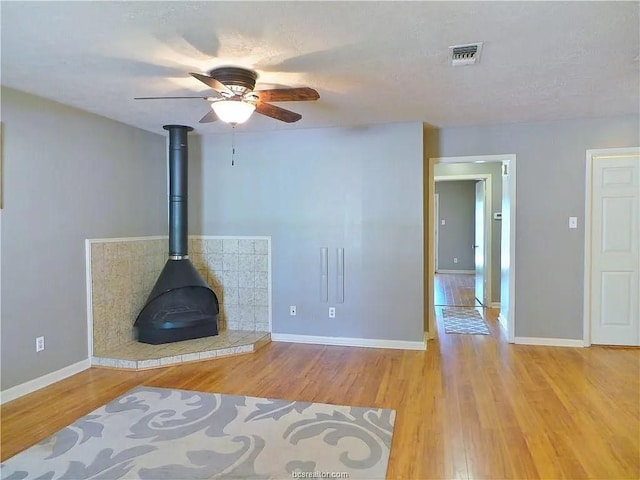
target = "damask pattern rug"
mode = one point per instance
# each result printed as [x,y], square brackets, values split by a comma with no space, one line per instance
[464,320]
[157,433]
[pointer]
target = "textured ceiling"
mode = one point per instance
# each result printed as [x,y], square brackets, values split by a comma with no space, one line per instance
[371,62]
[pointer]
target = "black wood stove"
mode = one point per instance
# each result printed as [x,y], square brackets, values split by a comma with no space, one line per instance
[181,305]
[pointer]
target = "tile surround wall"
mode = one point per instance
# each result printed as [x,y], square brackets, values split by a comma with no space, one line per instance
[123,272]
[237,269]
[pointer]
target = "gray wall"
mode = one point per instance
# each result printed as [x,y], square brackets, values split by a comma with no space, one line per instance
[550,188]
[358,188]
[495,170]
[457,208]
[68,175]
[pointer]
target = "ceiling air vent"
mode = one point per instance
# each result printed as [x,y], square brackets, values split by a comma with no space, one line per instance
[468,54]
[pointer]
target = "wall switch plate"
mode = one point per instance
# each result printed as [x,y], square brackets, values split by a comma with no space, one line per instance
[332,312]
[39,344]
[455,259]
[292,310]
[573,222]
[442,222]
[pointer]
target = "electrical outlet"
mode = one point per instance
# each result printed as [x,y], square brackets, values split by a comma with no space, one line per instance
[39,344]
[573,222]
[332,312]
[455,259]
[292,310]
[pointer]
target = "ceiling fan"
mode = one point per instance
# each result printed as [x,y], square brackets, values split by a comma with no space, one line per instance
[234,100]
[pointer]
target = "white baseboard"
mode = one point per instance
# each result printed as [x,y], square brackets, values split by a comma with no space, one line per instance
[349,342]
[551,342]
[465,272]
[44,381]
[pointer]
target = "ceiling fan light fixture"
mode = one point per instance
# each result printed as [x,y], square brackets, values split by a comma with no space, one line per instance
[233,111]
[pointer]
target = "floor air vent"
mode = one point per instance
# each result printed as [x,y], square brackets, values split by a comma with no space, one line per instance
[468,54]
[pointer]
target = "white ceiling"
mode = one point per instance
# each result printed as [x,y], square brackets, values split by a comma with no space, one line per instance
[371,62]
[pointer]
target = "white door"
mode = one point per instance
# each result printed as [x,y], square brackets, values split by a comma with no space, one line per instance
[478,246]
[615,255]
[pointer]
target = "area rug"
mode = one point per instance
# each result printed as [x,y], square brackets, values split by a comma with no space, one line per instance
[464,320]
[157,433]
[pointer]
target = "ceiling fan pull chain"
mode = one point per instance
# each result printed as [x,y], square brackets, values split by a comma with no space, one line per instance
[233,145]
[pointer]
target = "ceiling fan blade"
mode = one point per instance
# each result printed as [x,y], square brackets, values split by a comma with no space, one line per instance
[301,94]
[277,112]
[165,98]
[212,82]
[209,117]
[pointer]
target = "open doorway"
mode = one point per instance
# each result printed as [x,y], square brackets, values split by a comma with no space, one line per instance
[463,257]
[493,258]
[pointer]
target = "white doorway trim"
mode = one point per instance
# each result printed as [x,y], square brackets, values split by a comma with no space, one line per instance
[436,199]
[592,155]
[507,255]
[487,301]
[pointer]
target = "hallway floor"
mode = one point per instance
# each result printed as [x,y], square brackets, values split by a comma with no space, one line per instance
[455,290]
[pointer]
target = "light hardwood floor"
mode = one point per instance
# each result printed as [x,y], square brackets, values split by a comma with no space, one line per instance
[469,407]
[455,290]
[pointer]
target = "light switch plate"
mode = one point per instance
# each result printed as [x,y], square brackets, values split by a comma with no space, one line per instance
[573,222]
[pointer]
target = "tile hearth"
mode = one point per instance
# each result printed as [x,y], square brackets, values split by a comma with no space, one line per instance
[138,356]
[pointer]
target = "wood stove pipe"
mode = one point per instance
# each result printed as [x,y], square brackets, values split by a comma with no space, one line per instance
[178,191]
